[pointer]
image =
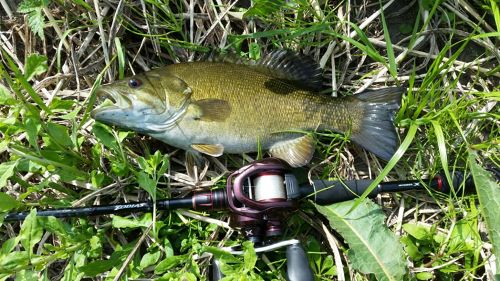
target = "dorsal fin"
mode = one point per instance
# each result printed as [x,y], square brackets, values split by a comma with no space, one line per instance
[300,70]
[287,65]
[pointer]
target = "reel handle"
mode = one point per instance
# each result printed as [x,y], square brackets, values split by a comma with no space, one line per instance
[298,268]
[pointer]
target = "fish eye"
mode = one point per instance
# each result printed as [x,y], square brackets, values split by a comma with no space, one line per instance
[134,83]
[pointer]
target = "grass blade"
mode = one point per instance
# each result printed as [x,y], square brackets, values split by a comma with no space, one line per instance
[443,155]
[390,51]
[121,58]
[496,13]
[392,162]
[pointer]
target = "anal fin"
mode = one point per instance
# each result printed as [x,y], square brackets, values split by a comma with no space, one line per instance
[296,152]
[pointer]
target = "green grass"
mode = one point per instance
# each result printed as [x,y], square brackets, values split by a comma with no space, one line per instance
[52,154]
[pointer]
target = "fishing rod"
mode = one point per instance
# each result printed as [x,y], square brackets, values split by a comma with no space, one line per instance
[273,180]
[258,196]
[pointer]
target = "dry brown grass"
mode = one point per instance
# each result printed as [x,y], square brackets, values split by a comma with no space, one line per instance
[80,44]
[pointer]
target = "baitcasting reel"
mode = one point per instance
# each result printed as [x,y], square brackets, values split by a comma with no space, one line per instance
[260,194]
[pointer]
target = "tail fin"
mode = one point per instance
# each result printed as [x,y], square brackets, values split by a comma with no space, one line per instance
[378,134]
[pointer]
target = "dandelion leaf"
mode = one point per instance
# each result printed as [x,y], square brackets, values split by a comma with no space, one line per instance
[373,248]
[488,192]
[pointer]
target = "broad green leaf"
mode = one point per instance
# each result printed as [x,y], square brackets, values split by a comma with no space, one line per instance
[220,254]
[97,178]
[32,126]
[249,256]
[21,80]
[418,231]
[58,227]
[424,232]
[95,245]
[373,248]
[3,145]
[31,232]
[119,168]
[254,51]
[7,203]
[149,259]
[5,96]
[170,262]
[105,136]
[34,9]
[97,267]
[264,7]
[411,248]
[147,183]
[464,237]
[72,115]
[121,222]
[188,276]
[6,171]
[35,65]
[14,261]
[71,272]
[424,275]
[26,275]
[488,192]
[169,250]
[8,246]
[60,134]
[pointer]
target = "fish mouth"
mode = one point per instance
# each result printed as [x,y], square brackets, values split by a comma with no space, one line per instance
[110,100]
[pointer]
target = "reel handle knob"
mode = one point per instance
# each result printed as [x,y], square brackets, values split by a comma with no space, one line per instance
[298,268]
[216,273]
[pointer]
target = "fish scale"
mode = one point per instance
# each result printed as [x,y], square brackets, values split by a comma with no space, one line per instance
[216,107]
[255,108]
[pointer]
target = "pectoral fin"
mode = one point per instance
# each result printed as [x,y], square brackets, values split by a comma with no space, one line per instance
[214,150]
[215,110]
[297,152]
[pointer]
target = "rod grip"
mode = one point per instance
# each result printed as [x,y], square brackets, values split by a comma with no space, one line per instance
[458,183]
[325,192]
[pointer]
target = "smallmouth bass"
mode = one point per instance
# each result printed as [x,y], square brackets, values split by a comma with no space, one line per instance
[217,107]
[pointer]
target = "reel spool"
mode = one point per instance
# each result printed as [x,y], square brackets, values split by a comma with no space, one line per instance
[268,187]
[258,195]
